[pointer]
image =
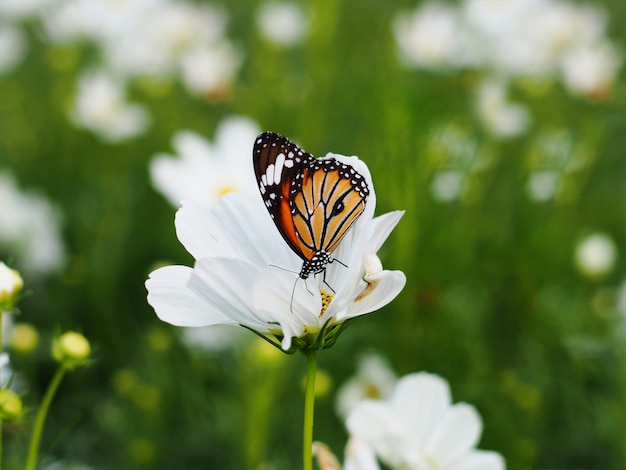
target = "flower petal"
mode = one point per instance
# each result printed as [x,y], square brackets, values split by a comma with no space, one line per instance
[286,298]
[456,434]
[224,284]
[383,225]
[380,289]
[359,456]
[175,303]
[231,229]
[373,422]
[354,252]
[480,460]
[420,401]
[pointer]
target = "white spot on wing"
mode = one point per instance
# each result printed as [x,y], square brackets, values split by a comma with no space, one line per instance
[278,170]
[269,172]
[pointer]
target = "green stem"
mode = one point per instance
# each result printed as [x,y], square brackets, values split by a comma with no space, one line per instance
[35,437]
[309,406]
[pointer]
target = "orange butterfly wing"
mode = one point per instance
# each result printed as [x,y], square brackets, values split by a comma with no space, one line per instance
[313,203]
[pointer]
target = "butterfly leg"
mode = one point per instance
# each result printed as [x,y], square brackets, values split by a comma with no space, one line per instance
[327,284]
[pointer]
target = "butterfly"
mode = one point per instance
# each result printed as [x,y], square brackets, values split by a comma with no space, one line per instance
[313,202]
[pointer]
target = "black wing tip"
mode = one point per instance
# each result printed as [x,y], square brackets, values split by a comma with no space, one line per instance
[269,135]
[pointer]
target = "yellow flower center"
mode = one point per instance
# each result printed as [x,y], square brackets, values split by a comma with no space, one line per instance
[326,299]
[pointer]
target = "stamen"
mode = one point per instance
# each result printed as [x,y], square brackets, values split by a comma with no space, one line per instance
[326,299]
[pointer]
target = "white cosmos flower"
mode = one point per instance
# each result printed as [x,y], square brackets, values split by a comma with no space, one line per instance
[283,23]
[21,9]
[590,69]
[12,47]
[30,228]
[204,171]
[430,37]
[246,275]
[595,255]
[209,69]
[374,379]
[359,456]
[420,429]
[501,117]
[100,106]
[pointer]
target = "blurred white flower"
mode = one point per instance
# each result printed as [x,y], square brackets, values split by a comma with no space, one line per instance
[447,185]
[500,117]
[283,23]
[560,24]
[419,428]
[161,36]
[29,229]
[529,38]
[374,379]
[155,38]
[22,9]
[204,171]
[542,185]
[590,69]
[210,339]
[209,70]
[595,255]
[502,36]
[12,47]
[100,106]
[359,456]
[66,22]
[431,36]
[94,19]
[64,465]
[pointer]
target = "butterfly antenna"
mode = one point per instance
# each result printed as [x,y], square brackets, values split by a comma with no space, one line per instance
[284,269]
[293,292]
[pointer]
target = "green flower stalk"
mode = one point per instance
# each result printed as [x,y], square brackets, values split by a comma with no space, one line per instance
[309,408]
[71,350]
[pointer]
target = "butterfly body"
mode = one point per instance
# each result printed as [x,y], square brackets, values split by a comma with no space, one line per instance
[313,202]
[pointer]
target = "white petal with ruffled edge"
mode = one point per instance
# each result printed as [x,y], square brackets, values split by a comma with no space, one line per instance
[224,283]
[456,435]
[249,233]
[281,295]
[359,456]
[421,401]
[175,303]
[373,422]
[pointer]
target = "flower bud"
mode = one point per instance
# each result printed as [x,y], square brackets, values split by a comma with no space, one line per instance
[10,285]
[71,349]
[10,405]
[24,338]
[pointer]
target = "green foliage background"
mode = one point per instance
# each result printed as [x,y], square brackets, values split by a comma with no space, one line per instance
[493,301]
